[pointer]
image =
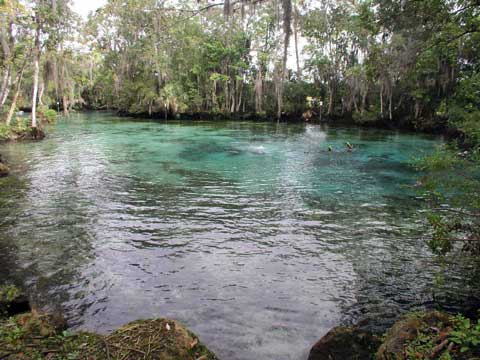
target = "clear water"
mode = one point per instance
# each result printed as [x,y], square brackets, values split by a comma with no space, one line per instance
[252,234]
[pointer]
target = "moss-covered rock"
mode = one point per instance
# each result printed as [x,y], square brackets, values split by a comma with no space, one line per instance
[345,343]
[4,170]
[406,330]
[156,339]
[42,336]
[12,301]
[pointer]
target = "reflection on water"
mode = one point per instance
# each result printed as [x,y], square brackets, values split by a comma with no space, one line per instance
[252,234]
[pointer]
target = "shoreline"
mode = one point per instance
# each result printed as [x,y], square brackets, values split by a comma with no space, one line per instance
[400,124]
[25,331]
[341,120]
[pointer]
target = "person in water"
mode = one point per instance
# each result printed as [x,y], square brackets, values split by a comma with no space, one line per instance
[349,147]
[330,149]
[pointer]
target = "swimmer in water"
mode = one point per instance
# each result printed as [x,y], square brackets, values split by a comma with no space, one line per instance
[330,149]
[349,147]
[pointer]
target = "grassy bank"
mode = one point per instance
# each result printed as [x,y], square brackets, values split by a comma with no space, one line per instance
[33,335]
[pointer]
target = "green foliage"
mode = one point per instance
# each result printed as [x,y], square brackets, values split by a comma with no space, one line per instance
[37,336]
[8,293]
[460,339]
[452,191]
[452,186]
[5,132]
[466,334]
[50,115]
[365,117]
[296,94]
[46,114]
[19,128]
[408,63]
[33,336]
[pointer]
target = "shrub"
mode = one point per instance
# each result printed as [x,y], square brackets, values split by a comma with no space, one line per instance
[365,117]
[46,114]
[50,115]
[5,132]
[459,340]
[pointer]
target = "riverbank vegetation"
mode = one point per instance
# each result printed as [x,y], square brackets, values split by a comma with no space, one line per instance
[27,334]
[401,64]
[404,63]
[38,336]
[33,335]
[418,335]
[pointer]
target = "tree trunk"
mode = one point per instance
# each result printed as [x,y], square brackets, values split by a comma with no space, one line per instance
[258,92]
[279,92]
[7,47]
[233,96]
[331,100]
[240,95]
[364,101]
[381,101]
[227,99]
[72,102]
[4,90]
[40,92]
[18,81]
[390,106]
[295,33]
[36,69]
[287,29]
[214,94]
[13,104]
[65,105]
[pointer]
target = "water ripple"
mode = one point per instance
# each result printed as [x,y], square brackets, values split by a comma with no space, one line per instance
[252,234]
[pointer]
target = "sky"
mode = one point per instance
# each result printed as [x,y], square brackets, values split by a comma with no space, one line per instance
[83,7]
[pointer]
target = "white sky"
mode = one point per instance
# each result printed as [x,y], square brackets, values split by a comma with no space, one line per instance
[83,7]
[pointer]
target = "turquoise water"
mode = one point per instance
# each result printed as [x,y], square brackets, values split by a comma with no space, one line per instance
[252,234]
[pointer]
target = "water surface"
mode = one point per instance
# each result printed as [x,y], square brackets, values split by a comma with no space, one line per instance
[253,234]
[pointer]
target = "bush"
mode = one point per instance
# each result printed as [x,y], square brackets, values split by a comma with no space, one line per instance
[452,190]
[8,293]
[365,117]
[50,115]
[46,114]
[459,340]
[19,128]
[5,132]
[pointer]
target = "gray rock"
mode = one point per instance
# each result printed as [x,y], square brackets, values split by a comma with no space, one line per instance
[345,343]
